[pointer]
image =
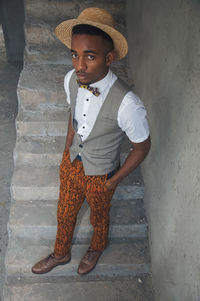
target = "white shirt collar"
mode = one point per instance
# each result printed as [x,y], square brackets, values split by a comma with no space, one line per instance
[105,82]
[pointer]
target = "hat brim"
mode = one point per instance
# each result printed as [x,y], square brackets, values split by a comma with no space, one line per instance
[64,34]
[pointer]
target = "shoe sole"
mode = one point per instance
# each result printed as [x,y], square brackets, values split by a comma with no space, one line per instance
[46,271]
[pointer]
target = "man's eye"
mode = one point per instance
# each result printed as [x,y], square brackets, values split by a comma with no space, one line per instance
[91,57]
[73,55]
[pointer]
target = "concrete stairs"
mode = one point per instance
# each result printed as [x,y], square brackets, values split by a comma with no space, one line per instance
[123,271]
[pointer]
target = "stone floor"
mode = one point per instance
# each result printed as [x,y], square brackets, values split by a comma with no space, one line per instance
[9,75]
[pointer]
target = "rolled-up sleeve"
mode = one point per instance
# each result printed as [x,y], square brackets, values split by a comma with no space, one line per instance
[132,118]
[66,85]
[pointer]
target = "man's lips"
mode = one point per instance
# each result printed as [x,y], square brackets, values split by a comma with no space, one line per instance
[81,75]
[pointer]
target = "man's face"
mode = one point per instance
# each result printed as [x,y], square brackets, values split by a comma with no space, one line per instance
[90,57]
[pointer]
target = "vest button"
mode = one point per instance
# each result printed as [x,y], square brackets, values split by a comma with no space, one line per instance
[80,145]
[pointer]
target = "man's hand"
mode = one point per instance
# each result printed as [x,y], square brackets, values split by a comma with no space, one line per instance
[135,157]
[110,185]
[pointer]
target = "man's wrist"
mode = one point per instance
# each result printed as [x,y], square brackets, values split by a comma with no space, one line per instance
[112,182]
[115,179]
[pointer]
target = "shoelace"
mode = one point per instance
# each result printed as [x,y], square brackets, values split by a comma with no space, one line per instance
[49,256]
[93,90]
[53,256]
[89,253]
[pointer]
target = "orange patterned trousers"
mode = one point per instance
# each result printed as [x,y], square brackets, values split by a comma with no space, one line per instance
[75,187]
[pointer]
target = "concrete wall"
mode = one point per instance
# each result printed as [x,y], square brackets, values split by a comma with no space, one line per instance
[2,43]
[164,55]
[12,19]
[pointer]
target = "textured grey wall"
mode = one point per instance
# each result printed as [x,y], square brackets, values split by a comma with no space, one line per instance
[164,55]
[2,43]
[12,18]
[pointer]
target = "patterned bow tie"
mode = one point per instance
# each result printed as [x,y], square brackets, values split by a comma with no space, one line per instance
[93,90]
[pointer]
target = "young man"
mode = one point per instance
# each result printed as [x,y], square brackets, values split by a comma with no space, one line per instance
[102,111]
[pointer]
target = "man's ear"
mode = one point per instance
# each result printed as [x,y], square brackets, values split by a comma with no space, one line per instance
[110,56]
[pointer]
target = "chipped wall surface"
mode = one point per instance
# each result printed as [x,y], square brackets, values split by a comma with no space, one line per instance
[164,56]
[2,43]
[12,20]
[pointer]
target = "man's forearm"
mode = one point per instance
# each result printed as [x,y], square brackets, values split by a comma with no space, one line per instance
[135,157]
[70,134]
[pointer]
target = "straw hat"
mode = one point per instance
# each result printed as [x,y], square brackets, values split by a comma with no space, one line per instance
[97,17]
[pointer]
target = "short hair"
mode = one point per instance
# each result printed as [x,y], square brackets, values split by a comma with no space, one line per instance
[93,31]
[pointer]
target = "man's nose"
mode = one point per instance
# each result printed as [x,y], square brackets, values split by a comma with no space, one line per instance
[81,64]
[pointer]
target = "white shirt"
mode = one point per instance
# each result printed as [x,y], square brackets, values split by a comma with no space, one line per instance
[131,114]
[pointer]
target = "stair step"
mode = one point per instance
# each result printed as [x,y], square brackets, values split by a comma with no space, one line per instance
[47,150]
[41,31]
[50,121]
[59,9]
[38,219]
[39,151]
[42,86]
[136,289]
[118,260]
[42,128]
[33,183]
[47,114]
[61,55]
[63,10]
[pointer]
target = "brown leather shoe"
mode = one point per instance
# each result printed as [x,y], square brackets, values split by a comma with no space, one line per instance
[89,261]
[47,264]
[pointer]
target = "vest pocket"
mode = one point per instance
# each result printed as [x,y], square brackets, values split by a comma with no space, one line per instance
[108,123]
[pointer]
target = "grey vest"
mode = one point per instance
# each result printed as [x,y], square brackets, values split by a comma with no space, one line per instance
[100,152]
